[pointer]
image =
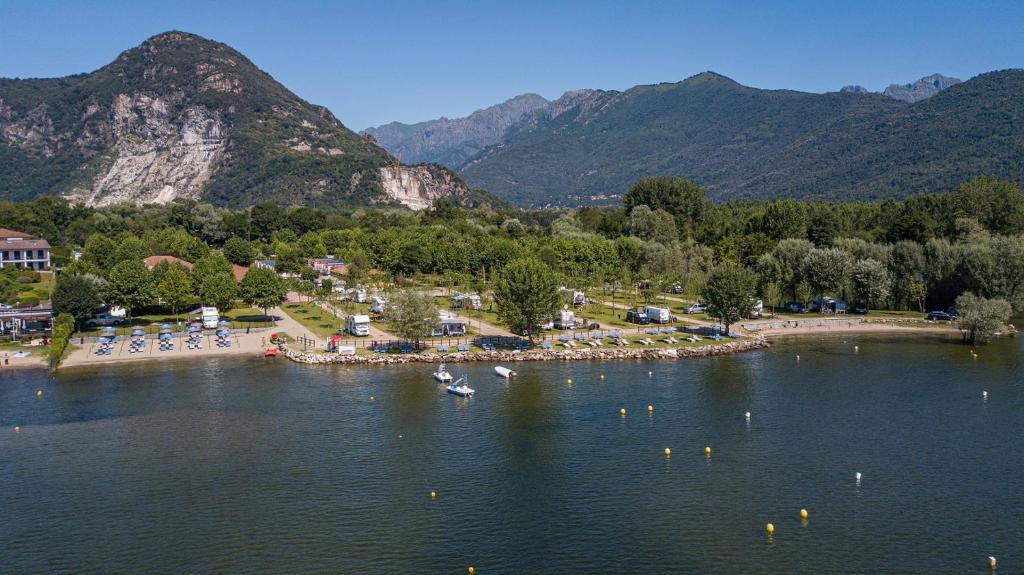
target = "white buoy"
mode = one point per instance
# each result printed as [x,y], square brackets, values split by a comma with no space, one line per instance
[856,348]
[858,477]
[798,357]
[747,414]
[650,373]
[992,564]
[984,395]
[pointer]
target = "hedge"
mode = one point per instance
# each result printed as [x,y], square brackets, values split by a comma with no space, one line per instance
[63,327]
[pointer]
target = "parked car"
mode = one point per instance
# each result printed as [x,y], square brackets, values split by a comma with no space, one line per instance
[677,289]
[103,319]
[636,316]
[860,308]
[940,316]
[696,308]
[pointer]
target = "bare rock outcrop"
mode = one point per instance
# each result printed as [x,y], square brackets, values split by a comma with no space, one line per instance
[418,186]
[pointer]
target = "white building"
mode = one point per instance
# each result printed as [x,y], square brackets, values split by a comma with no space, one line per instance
[22,250]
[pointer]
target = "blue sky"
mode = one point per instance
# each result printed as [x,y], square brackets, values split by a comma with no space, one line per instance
[377,61]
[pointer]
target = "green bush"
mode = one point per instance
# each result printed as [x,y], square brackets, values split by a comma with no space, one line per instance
[63,327]
[32,276]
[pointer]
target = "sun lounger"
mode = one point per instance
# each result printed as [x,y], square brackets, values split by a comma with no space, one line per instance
[443,348]
[545,345]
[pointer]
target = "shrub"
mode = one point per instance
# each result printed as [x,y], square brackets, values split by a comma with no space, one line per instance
[63,327]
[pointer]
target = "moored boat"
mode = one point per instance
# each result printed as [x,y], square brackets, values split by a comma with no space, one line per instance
[442,375]
[461,388]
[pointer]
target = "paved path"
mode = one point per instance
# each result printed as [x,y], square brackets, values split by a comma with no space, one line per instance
[285,323]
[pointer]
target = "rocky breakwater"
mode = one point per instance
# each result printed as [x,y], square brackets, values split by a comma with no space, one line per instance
[587,354]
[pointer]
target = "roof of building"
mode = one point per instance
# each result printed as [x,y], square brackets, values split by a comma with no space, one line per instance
[239,271]
[152,261]
[22,240]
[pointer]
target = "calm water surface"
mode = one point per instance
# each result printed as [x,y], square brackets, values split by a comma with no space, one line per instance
[271,467]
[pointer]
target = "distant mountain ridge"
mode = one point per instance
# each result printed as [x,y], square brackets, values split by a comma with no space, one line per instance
[742,142]
[451,142]
[914,92]
[181,116]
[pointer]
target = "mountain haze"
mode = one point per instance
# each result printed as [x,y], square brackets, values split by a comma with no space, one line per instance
[181,116]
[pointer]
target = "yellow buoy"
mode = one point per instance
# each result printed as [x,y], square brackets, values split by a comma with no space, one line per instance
[471,570]
[17,429]
[39,393]
[707,451]
[668,452]
[622,411]
[399,436]
[433,495]
[769,529]
[602,376]
[570,381]
[803,514]
[650,408]
[371,398]
[992,563]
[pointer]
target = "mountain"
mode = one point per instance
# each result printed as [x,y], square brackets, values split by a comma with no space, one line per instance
[914,92]
[742,142]
[924,88]
[181,116]
[452,142]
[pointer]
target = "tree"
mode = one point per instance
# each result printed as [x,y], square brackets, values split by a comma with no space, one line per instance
[262,288]
[772,294]
[729,293]
[100,251]
[790,254]
[981,318]
[871,281]
[131,285]
[679,197]
[652,225]
[78,295]
[411,315]
[214,281]
[175,288]
[238,251]
[785,219]
[826,270]
[527,295]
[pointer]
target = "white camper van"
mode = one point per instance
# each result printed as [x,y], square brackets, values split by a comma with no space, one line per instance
[210,317]
[377,307]
[659,314]
[358,325]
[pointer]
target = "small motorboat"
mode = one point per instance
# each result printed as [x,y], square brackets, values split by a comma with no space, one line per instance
[503,371]
[442,375]
[460,388]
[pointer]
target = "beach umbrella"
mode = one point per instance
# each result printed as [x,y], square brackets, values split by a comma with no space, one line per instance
[138,332]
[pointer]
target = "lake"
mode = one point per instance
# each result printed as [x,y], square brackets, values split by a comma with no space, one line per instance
[265,466]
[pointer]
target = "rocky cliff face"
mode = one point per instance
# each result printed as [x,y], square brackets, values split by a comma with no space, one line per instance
[914,92]
[156,157]
[184,117]
[418,186]
[451,142]
[924,88]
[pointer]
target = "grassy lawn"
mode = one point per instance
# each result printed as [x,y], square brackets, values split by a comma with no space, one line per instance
[313,318]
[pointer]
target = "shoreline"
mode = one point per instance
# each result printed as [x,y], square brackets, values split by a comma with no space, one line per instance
[581,354]
[249,346]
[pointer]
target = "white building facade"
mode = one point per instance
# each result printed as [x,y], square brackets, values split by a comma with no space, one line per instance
[23,250]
